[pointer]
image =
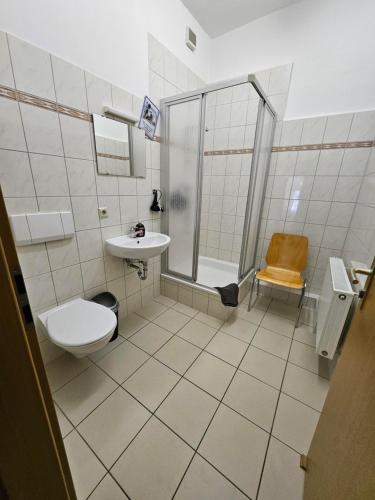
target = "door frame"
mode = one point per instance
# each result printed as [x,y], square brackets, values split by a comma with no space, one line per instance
[33,460]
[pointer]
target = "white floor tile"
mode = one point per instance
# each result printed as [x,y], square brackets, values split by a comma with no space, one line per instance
[172,320]
[64,368]
[264,366]
[295,423]
[108,489]
[271,342]
[227,348]
[65,425]
[197,333]
[152,310]
[283,309]
[305,334]
[278,324]
[166,301]
[305,386]
[86,469]
[184,309]
[209,320]
[253,399]
[253,316]
[178,354]
[123,361]
[282,476]
[95,356]
[151,383]
[188,411]
[131,324]
[305,356]
[153,465]
[211,374]
[150,338]
[203,482]
[111,427]
[239,328]
[237,448]
[82,395]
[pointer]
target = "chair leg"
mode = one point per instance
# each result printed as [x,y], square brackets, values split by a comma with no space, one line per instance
[251,292]
[300,305]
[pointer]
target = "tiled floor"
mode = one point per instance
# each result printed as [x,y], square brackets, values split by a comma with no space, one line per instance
[185,406]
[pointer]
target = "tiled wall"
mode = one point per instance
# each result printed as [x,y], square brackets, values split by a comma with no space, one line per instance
[314,187]
[231,115]
[47,163]
[360,240]
[230,123]
[167,74]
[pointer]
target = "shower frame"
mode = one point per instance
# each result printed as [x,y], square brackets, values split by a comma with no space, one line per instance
[201,95]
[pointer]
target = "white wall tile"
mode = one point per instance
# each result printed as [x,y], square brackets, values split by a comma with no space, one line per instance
[337,128]
[76,137]
[85,212]
[89,244]
[323,188]
[11,129]
[98,93]
[340,214]
[62,253]
[330,161]
[363,126]
[6,73]
[93,273]
[347,189]
[32,68]
[81,177]
[42,130]
[355,161]
[313,130]
[40,291]
[69,84]
[49,173]
[15,174]
[67,282]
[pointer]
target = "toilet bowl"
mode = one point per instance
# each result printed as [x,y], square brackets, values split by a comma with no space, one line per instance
[79,326]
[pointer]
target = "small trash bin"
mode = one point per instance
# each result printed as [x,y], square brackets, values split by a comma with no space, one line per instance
[107,299]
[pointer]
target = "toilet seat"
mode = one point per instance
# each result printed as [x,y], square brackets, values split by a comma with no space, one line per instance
[80,323]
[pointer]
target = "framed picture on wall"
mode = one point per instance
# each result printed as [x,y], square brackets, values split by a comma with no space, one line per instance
[149,117]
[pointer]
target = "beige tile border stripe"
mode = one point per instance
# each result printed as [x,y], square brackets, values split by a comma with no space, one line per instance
[304,147]
[113,157]
[40,102]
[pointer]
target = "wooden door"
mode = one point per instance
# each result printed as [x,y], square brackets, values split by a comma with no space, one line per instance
[33,463]
[341,459]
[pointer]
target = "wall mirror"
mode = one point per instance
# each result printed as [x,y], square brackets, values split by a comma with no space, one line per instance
[120,148]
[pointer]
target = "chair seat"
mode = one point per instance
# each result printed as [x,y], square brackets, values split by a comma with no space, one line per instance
[280,276]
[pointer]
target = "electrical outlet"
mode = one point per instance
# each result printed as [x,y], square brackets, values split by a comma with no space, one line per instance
[103,212]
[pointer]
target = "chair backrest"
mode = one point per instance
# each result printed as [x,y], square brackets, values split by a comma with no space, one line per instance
[288,251]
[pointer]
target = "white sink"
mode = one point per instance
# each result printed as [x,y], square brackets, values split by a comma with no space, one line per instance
[150,245]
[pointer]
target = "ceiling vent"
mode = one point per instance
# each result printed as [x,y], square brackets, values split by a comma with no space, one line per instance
[191,39]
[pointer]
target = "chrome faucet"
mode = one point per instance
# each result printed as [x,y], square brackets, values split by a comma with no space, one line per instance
[134,232]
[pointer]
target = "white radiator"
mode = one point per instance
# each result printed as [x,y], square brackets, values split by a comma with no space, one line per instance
[333,307]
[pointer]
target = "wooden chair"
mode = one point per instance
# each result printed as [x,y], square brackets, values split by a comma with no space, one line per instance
[286,259]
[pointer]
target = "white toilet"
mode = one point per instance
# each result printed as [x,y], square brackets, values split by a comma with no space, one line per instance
[79,326]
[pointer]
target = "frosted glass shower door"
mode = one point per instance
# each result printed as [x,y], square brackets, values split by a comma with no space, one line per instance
[184,136]
[263,148]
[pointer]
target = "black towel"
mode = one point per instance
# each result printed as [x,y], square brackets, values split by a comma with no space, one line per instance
[229,294]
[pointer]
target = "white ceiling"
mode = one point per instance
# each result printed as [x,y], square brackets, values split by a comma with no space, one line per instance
[220,16]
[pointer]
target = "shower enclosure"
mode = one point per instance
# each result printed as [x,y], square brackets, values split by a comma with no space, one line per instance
[215,152]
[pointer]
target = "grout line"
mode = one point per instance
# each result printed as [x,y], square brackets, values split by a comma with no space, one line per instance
[153,413]
[213,416]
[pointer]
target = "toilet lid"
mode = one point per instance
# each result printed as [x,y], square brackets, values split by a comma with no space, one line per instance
[81,322]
